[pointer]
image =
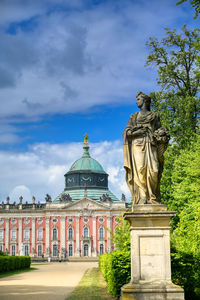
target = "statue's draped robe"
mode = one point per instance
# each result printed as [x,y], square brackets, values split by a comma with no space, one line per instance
[141,158]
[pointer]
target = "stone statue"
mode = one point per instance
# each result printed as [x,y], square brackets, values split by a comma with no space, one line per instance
[48,198]
[144,143]
[66,198]
[105,198]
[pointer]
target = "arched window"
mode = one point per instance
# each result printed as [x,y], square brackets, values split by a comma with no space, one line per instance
[55,250]
[70,250]
[1,235]
[26,234]
[40,233]
[13,250]
[55,234]
[39,250]
[101,249]
[85,249]
[13,235]
[101,233]
[26,250]
[85,232]
[70,233]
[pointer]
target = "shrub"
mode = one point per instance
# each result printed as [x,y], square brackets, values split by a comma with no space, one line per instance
[2,253]
[186,273]
[116,269]
[11,263]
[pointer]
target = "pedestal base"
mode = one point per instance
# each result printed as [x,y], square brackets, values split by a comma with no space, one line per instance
[150,255]
[155,290]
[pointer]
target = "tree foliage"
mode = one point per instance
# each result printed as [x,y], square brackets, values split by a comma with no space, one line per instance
[186,175]
[121,237]
[195,4]
[186,236]
[176,59]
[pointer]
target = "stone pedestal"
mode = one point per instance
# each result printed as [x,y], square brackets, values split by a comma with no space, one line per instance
[150,255]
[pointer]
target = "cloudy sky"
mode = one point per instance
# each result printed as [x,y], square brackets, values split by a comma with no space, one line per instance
[68,67]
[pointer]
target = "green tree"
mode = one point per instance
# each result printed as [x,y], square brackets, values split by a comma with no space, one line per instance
[195,4]
[121,236]
[186,236]
[186,176]
[176,59]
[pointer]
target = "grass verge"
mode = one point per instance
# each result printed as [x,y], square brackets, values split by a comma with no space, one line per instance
[91,287]
[10,273]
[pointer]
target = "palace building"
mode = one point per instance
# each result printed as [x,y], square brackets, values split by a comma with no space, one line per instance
[79,222]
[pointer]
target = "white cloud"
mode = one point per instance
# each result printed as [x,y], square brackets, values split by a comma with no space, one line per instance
[41,169]
[74,59]
[18,191]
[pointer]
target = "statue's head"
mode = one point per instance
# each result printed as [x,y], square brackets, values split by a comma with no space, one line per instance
[143,98]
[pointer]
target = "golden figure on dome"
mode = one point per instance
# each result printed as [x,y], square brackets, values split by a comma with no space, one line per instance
[86,139]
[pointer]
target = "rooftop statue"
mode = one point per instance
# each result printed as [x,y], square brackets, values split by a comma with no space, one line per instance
[144,143]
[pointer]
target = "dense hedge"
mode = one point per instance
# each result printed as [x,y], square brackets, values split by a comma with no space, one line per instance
[11,263]
[186,273]
[116,269]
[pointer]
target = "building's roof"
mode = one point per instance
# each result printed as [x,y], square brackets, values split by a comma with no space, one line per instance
[93,194]
[86,162]
[86,175]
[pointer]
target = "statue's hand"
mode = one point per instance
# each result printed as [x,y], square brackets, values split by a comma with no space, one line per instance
[129,133]
[140,132]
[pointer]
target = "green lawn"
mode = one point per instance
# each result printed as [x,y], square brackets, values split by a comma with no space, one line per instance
[91,287]
[10,273]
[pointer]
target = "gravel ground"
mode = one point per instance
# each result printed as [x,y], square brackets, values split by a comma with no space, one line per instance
[54,281]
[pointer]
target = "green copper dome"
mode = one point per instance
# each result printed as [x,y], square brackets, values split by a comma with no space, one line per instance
[86,163]
[86,176]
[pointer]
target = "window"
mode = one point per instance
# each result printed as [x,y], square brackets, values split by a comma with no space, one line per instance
[85,220]
[55,220]
[13,250]
[101,233]
[85,249]
[55,250]
[40,221]
[1,247]
[70,220]
[26,250]
[1,235]
[39,250]
[14,221]
[40,234]
[70,250]
[26,234]
[55,235]
[101,219]
[13,235]
[70,233]
[101,248]
[26,221]
[1,221]
[85,232]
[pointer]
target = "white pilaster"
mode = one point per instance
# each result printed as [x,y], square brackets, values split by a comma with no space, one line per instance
[62,234]
[47,235]
[7,234]
[77,237]
[94,226]
[33,237]
[20,246]
[109,236]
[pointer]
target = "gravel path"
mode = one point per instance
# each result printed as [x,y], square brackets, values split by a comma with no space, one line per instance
[54,281]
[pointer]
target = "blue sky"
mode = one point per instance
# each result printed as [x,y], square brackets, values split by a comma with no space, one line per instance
[70,67]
